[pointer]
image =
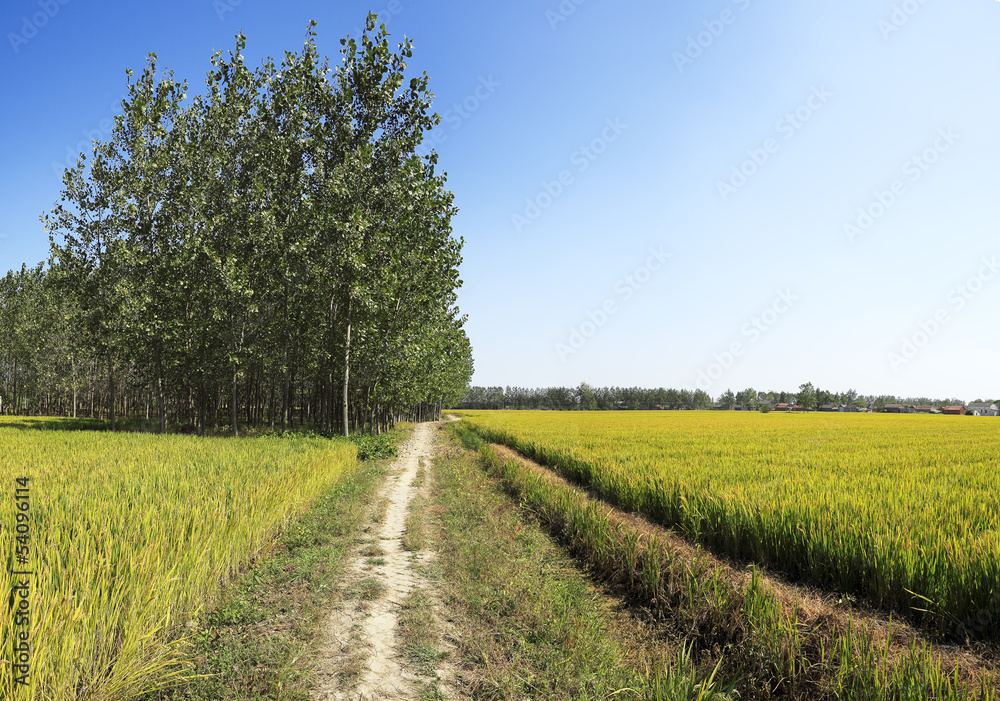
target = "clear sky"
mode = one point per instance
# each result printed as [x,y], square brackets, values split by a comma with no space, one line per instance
[724,194]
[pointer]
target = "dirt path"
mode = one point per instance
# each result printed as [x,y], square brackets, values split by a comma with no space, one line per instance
[361,657]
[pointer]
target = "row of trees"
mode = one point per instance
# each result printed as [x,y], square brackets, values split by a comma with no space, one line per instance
[585,397]
[271,249]
[808,396]
[811,397]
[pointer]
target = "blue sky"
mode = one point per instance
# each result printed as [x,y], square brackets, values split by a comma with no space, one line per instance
[726,194]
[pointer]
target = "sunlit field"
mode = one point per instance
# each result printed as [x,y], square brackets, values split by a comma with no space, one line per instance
[901,509]
[130,536]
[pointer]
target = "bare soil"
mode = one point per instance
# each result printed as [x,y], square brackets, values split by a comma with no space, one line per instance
[362,656]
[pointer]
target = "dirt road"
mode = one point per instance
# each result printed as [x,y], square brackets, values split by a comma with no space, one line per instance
[361,657]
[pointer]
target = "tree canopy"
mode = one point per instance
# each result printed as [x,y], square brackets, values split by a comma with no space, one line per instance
[271,248]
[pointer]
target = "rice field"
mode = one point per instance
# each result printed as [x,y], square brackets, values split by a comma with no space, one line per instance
[903,510]
[130,537]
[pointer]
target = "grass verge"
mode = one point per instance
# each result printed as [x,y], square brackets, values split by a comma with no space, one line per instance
[735,620]
[420,641]
[257,642]
[530,623]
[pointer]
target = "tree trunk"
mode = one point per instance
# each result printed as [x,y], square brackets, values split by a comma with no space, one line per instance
[232,407]
[161,402]
[347,369]
[111,393]
[202,404]
[270,406]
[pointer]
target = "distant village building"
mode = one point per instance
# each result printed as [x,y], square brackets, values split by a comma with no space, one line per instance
[983,409]
[953,410]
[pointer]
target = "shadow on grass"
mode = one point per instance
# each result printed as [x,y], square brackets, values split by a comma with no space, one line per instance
[122,425]
[48,423]
[370,447]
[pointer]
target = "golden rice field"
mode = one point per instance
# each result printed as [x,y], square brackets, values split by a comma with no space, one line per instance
[901,509]
[130,536]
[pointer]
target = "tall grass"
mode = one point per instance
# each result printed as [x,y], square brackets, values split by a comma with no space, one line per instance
[761,639]
[903,510]
[131,535]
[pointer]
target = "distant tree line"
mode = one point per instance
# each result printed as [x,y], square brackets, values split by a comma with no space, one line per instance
[582,397]
[585,397]
[272,250]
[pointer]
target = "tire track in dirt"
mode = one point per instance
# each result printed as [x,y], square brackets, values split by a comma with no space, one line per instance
[364,633]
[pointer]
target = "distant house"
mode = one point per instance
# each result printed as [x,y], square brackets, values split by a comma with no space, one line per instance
[799,407]
[829,407]
[781,407]
[926,409]
[894,409]
[983,409]
[953,410]
[855,409]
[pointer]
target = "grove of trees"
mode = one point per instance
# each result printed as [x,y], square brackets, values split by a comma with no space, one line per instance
[271,250]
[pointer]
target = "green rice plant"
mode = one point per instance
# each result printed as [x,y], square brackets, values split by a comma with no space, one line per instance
[131,535]
[899,509]
[767,641]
